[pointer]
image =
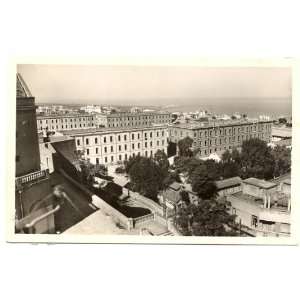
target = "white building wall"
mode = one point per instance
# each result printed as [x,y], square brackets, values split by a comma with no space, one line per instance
[118,146]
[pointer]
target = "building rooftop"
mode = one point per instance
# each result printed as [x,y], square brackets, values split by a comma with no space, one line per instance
[73,115]
[260,183]
[283,178]
[172,195]
[216,123]
[175,186]
[125,114]
[279,200]
[102,130]
[229,182]
[283,132]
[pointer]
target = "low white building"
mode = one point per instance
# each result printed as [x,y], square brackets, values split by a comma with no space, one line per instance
[263,208]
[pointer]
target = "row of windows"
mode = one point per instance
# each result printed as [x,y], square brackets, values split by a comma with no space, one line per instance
[226,131]
[133,136]
[57,127]
[66,120]
[230,139]
[124,146]
[120,119]
[121,157]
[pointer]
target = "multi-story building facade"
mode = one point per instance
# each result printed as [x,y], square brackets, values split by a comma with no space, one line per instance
[112,145]
[133,119]
[66,122]
[216,137]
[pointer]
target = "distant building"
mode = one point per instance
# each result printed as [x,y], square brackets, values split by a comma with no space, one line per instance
[126,119]
[112,145]
[218,136]
[264,118]
[263,208]
[92,109]
[65,122]
[281,136]
[135,109]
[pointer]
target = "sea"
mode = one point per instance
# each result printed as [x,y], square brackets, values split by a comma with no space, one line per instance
[253,108]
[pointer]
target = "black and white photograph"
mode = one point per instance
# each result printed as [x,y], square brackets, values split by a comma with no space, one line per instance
[153,152]
[150,149]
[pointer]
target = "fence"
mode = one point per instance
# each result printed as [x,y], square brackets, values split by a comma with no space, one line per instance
[30,178]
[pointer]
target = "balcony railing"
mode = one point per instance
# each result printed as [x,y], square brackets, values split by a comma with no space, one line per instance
[31,178]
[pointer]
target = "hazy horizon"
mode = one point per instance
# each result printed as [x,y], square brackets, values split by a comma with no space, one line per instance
[160,85]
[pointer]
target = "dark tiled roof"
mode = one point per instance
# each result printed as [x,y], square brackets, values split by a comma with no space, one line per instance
[229,182]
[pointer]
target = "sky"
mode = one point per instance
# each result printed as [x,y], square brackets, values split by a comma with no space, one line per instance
[154,85]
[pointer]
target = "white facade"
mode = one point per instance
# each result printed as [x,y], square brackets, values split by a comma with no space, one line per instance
[113,146]
[65,122]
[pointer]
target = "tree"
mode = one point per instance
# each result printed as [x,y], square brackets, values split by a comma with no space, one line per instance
[184,147]
[230,164]
[206,218]
[162,160]
[203,182]
[282,160]
[130,162]
[282,120]
[185,197]
[256,159]
[230,169]
[87,171]
[226,157]
[146,176]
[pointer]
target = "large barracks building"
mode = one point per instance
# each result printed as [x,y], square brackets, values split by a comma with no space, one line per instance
[112,145]
[128,119]
[218,136]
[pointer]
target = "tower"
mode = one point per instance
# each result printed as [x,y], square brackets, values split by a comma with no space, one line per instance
[27,144]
